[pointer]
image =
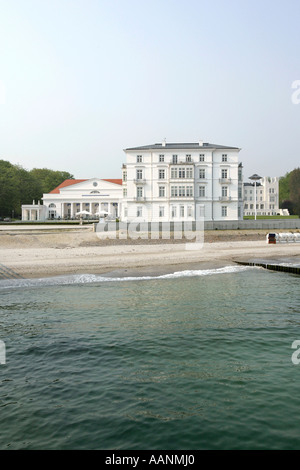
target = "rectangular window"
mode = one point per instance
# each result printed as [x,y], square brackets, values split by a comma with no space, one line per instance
[181,191]
[161,211]
[125,211]
[161,158]
[161,174]
[139,191]
[202,173]
[201,191]
[224,191]
[139,174]
[124,192]
[181,211]
[189,172]
[124,176]
[174,211]
[202,211]
[188,158]
[181,173]
[174,158]
[139,158]
[201,157]
[174,191]
[224,211]
[174,172]
[224,174]
[190,211]
[162,191]
[189,191]
[224,157]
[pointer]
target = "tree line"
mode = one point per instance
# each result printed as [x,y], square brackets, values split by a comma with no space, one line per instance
[289,192]
[20,186]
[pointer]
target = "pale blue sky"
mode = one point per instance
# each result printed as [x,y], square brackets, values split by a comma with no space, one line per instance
[80,80]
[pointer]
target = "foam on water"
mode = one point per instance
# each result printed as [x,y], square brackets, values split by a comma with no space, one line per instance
[97,278]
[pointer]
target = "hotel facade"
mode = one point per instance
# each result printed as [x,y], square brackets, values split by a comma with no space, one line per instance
[164,182]
[182,182]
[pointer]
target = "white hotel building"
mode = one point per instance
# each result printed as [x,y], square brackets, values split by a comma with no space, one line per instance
[182,182]
[266,198]
[74,196]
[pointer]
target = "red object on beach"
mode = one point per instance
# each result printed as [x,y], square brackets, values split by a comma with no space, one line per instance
[272,238]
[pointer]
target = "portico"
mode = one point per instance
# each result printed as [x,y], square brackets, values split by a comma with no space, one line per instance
[33,211]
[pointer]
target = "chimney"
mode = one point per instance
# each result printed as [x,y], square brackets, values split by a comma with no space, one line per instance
[200,143]
[163,144]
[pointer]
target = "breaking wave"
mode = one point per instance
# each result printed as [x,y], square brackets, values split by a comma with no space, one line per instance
[97,278]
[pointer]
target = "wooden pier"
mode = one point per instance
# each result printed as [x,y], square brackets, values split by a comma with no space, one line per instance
[272,267]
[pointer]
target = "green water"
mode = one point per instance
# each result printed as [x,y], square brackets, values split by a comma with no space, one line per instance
[185,362]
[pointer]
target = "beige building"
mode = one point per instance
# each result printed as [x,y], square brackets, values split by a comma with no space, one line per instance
[266,197]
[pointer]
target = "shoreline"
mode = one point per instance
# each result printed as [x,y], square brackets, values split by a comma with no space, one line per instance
[134,259]
[40,254]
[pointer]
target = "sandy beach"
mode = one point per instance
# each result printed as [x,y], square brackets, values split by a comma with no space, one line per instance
[50,252]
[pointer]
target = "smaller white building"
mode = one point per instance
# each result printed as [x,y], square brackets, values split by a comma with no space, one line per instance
[267,197]
[91,197]
[34,211]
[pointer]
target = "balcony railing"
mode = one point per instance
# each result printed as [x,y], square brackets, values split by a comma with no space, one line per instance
[139,181]
[140,199]
[225,180]
[225,198]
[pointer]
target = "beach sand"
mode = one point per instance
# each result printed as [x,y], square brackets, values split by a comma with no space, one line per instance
[46,252]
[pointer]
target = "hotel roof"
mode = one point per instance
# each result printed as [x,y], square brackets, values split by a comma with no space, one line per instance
[70,182]
[179,146]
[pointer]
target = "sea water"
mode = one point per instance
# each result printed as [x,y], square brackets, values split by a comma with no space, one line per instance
[199,359]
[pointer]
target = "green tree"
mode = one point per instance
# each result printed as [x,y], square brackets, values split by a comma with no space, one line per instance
[49,179]
[284,190]
[289,191]
[19,186]
[294,185]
